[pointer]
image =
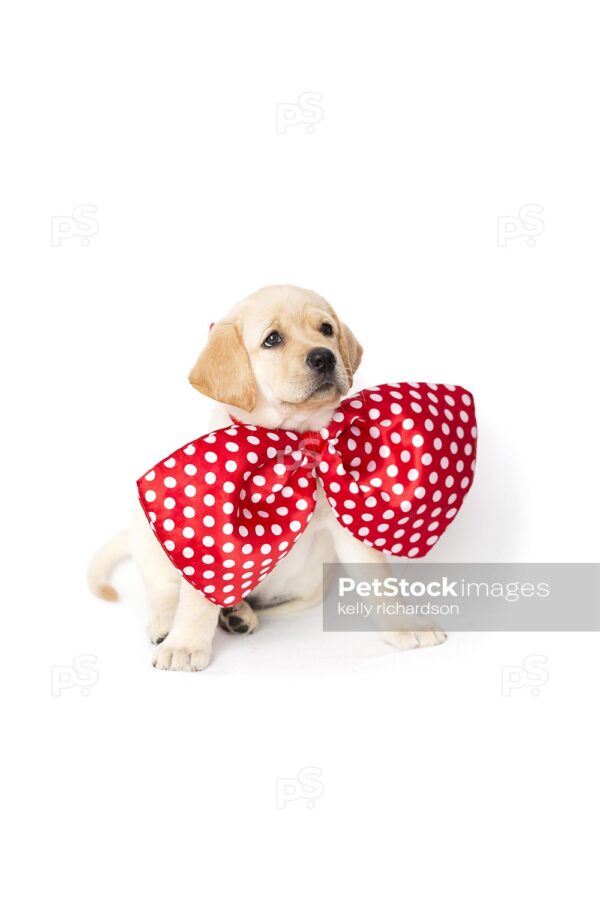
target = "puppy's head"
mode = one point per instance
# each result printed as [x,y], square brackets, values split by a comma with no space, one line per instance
[283,346]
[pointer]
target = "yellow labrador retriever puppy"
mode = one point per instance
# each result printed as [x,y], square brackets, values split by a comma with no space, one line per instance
[280,359]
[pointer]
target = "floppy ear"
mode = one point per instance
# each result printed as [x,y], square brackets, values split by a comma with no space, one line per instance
[351,351]
[223,371]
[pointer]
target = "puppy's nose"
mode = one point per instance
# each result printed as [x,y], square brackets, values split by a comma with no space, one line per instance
[321,360]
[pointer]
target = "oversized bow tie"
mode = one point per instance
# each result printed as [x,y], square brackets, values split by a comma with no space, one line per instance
[395,464]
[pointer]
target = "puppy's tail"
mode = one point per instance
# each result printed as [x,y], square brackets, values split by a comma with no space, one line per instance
[102,564]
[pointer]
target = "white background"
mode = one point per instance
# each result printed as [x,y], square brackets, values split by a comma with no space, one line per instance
[437,118]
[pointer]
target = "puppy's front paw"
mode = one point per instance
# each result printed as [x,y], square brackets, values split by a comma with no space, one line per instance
[412,640]
[176,656]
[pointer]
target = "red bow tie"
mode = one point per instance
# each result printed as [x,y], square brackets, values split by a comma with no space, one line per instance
[395,464]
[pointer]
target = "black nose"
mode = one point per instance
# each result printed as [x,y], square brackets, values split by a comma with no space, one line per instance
[321,360]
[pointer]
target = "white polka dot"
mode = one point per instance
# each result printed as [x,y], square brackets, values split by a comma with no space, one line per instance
[150,496]
[168,524]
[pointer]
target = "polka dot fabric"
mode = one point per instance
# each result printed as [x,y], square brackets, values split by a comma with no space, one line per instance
[395,463]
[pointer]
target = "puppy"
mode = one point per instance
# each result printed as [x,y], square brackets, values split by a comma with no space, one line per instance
[280,359]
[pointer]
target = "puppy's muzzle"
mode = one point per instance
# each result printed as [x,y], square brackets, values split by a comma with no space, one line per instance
[321,360]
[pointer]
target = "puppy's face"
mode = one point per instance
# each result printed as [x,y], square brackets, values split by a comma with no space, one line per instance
[283,346]
[295,351]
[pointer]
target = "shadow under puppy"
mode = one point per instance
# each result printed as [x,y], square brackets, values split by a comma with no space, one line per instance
[280,359]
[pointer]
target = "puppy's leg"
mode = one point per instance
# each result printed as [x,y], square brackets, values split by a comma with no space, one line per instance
[161,579]
[163,599]
[187,648]
[239,619]
[349,549]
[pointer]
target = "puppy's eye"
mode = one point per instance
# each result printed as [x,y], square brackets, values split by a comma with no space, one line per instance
[326,329]
[272,339]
